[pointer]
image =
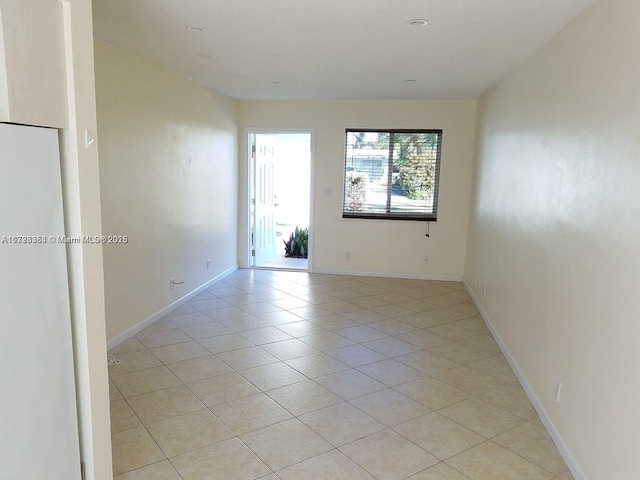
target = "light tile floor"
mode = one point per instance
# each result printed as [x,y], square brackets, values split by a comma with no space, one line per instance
[289,375]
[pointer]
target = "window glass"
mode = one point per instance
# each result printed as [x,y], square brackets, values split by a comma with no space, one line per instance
[392,174]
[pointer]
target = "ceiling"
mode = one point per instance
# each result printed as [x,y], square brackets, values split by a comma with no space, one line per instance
[335,49]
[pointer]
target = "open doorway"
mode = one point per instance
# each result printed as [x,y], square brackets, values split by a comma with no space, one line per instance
[280,193]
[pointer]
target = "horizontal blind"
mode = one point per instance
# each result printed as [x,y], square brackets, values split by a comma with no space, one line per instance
[391,174]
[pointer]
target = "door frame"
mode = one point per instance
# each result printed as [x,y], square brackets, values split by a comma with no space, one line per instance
[245,173]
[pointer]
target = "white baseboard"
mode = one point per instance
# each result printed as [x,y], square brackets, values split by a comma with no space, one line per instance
[444,278]
[568,457]
[169,308]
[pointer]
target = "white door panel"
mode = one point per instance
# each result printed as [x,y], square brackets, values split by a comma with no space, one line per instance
[38,418]
[265,229]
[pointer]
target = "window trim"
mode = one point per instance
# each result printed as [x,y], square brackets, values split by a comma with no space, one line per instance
[388,215]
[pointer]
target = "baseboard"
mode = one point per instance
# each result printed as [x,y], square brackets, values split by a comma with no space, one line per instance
[568,457]
[168,309]
[443,278]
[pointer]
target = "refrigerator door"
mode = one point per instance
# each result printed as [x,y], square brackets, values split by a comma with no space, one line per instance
[38,418]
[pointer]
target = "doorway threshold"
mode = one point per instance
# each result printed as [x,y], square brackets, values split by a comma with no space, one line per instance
[284,263]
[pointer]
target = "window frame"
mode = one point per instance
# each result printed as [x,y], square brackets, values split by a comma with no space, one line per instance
[388,214]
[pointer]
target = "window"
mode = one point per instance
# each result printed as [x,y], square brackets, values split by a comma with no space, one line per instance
[391,174]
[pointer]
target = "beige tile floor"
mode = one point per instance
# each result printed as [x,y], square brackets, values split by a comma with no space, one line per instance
[289,375]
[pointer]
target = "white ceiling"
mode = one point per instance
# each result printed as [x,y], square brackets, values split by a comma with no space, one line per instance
[336,49]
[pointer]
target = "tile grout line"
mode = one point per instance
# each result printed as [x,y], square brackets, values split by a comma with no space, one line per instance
[325,351]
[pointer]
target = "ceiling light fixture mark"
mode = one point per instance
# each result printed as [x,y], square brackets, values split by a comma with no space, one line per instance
[417,22]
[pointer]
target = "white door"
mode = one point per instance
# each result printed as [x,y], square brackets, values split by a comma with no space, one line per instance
[38,418]
[265,199]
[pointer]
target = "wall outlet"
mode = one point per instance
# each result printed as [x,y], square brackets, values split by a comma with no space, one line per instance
[425,260]
[558,390]
[208,263]
[347,255]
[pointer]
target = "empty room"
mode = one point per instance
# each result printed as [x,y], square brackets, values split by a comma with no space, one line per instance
[329,240]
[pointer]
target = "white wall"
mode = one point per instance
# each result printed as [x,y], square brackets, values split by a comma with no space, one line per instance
[376,246]
[554,232]
[168,177]
[81,192]
[47,79]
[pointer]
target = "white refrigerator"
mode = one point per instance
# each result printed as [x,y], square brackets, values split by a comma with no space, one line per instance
[38,415]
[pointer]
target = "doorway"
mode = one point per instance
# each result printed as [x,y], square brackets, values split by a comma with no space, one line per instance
[279,198]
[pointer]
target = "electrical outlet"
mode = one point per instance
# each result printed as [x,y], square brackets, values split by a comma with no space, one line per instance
[425,260]
[347,255]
